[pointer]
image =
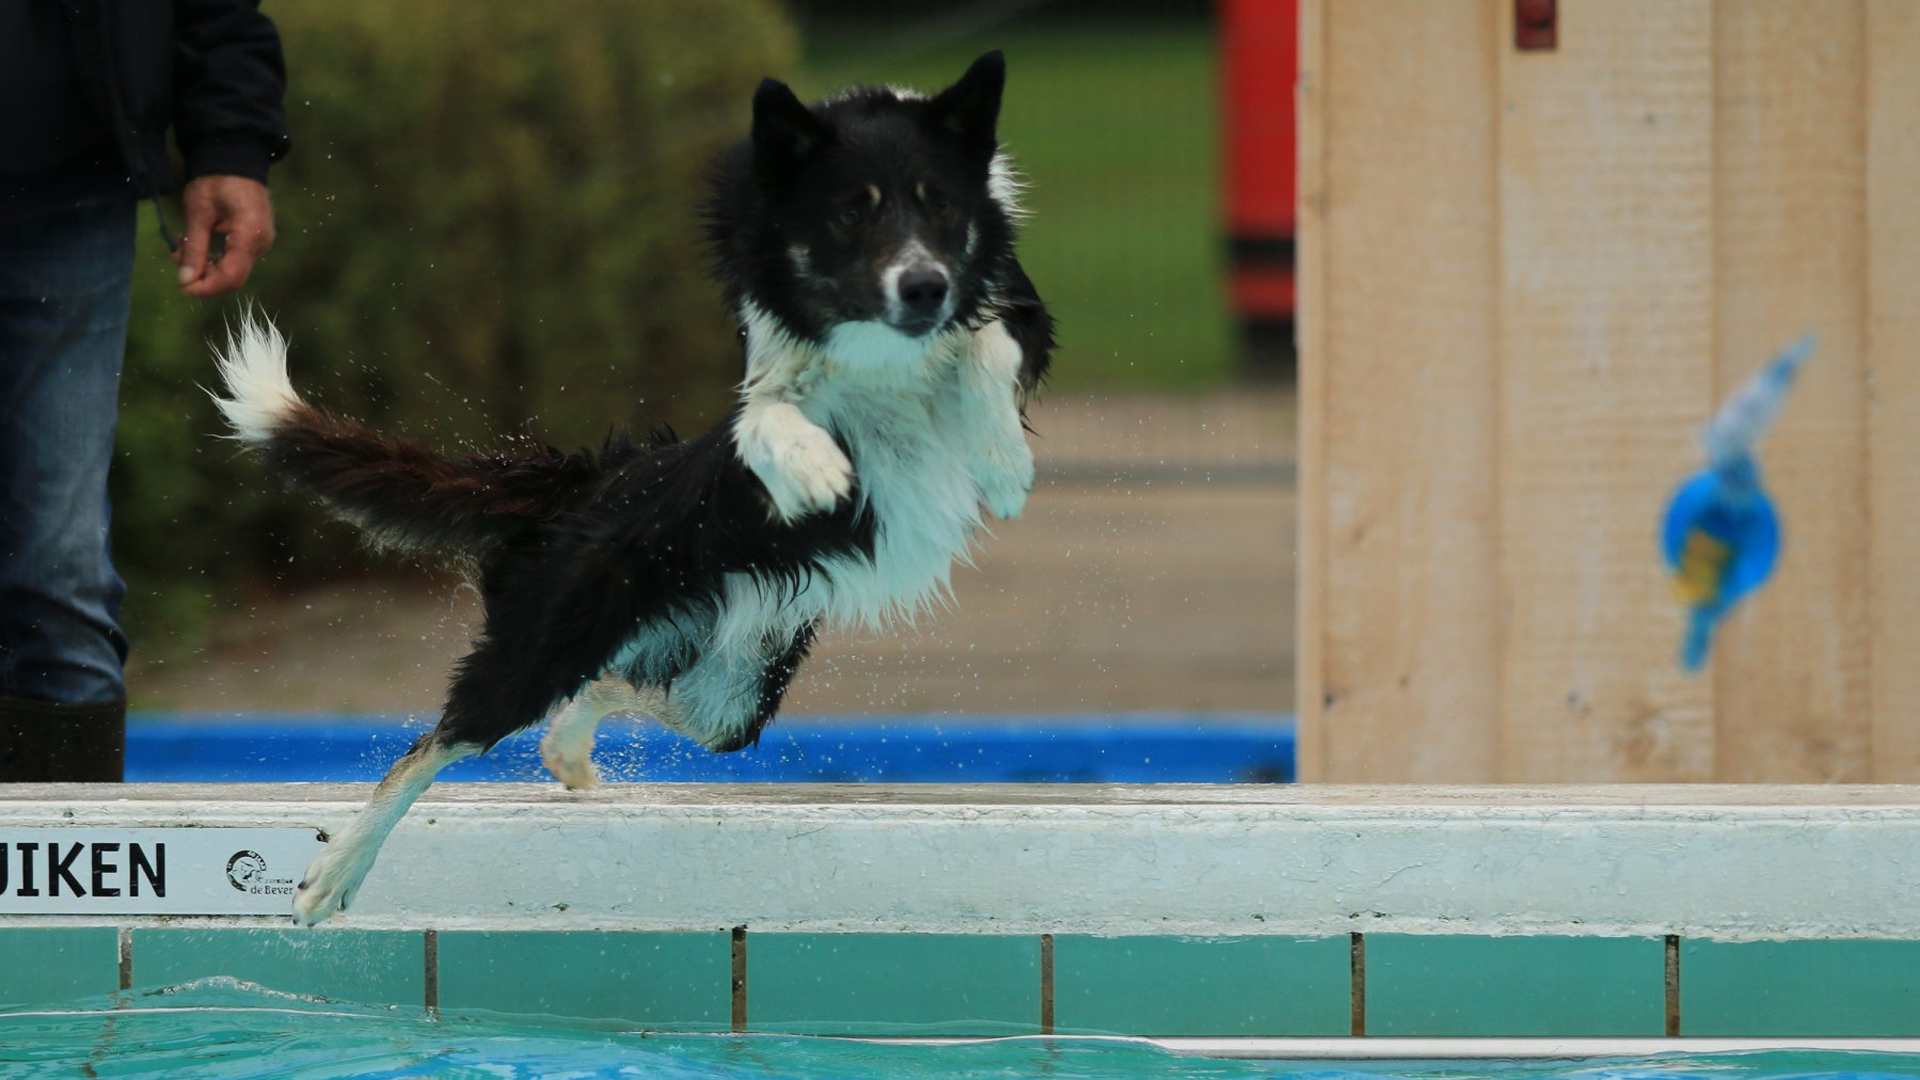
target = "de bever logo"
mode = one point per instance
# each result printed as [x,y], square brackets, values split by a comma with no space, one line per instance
[246,870]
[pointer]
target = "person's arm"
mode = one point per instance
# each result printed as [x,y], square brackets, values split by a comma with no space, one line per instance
[230,124]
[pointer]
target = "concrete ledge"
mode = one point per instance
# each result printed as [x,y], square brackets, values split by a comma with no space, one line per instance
[1717,862]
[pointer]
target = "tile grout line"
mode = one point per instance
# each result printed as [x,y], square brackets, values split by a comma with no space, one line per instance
[1357,986]
[737,989]
[1673,985]
[1046,984]
[430,957]
[124,946]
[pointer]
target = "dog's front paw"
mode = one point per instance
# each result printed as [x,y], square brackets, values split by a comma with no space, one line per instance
[806,473]
[1006,480]
[331,882]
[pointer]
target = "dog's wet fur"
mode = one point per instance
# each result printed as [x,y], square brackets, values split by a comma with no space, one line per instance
[866,247]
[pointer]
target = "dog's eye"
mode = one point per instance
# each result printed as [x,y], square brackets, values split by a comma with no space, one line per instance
[851,216]
[939,204]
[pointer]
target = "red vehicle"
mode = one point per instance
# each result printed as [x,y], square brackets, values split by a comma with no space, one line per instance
[1259,62]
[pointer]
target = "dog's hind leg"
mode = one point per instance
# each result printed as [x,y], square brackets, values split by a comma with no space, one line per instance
[552,627]
[725,699]
[567,747]
[333,879]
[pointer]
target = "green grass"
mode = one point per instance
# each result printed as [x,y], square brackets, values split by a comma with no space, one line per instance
[1116,132]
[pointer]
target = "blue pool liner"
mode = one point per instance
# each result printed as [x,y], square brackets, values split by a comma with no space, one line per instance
[1215,748]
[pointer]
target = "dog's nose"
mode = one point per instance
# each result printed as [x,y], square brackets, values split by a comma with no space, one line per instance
[922,292]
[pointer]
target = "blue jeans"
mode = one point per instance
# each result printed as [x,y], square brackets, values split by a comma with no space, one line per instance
[64,283]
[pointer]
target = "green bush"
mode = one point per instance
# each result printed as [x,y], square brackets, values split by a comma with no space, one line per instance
[487,229]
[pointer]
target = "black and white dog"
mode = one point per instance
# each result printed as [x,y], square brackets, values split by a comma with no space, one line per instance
[866,247]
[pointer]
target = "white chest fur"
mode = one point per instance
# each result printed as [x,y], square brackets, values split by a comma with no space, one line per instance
[910,452]
[914,437]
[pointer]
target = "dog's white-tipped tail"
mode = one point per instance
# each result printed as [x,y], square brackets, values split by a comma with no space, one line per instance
[253,365]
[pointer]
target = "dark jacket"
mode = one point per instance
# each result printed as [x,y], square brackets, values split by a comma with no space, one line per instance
[88,89]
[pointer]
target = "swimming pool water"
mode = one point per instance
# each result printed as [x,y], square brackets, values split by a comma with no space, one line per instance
[225,1029]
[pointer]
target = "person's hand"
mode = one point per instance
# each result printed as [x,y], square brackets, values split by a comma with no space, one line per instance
[238,209]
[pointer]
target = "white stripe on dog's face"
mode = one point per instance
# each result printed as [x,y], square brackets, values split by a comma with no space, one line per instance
[919,290]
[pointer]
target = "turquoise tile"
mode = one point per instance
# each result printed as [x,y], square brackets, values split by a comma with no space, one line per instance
[948,984]
[42,965]
[1518,986]
[680,982]
[375,967]
[1800,988]
[1171,987]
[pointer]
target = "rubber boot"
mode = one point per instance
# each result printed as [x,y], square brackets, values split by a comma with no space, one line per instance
[44,741]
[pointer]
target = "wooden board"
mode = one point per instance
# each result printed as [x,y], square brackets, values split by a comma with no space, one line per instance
[1893,361]
[1792,675]
[1399,366]
[1310,340]
[1606,327]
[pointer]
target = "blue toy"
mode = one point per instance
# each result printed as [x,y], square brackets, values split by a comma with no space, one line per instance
[1721,535]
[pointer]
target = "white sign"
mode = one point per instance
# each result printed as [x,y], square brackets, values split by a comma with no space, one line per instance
[181,871]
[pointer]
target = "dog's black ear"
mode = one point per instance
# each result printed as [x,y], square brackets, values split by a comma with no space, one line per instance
[971,107]
[785,132]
